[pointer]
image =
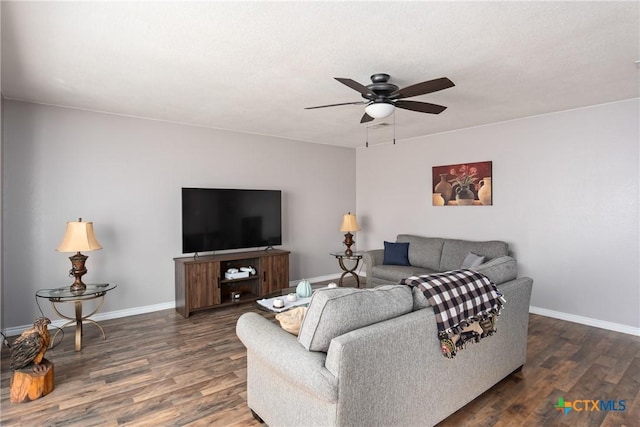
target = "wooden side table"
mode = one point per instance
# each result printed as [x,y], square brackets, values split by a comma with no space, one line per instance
[354,258]
[65,295]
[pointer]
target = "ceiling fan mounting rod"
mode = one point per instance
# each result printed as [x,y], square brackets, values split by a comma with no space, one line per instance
[381,87]
[380,77]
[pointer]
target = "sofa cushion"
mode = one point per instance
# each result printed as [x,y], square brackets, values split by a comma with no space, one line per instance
[499,270]
[395,273]
[396,253]
[454,251]
[472,260]
[424,252]
[334,312]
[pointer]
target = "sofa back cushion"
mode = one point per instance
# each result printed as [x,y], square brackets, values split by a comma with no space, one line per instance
[334,312]
[454,252]
[498,270]
[424,252]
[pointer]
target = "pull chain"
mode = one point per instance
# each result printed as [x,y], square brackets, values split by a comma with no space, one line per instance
[394,127]
[366,136]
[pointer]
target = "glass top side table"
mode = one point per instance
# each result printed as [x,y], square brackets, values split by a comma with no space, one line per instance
[341,256]
[65,295]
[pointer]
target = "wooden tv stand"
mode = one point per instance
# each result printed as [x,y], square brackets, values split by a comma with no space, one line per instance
[201,283]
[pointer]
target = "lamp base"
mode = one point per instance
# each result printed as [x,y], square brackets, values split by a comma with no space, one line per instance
[78,270]
[348,241]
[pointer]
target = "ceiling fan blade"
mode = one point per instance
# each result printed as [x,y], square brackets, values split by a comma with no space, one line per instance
[422,88]
[365,91]
[336,105]
[366,118]
[422,107]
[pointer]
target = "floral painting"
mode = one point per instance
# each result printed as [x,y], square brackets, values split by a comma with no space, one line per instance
[465,184]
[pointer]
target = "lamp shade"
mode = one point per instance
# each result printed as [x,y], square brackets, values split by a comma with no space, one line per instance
[79,237]
[349,223]
[379,110]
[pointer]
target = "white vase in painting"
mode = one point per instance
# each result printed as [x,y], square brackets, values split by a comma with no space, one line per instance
[484,194]
[437,199]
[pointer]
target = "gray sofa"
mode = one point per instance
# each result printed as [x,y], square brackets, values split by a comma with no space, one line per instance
[371,357]
[429,255]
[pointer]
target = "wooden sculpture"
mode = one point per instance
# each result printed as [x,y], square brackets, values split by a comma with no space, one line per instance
[32,373]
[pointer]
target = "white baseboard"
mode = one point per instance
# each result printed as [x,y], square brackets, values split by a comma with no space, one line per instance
[617,327]
[17,330]
[611,326]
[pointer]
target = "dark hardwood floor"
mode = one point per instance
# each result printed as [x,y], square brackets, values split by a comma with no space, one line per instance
[159,369]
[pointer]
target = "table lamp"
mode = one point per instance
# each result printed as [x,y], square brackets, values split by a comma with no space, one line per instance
[78,237]
[349,224]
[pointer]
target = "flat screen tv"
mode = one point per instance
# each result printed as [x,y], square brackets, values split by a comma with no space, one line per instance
[219,218]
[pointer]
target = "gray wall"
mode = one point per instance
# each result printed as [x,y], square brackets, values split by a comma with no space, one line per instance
[566,197]
[125,175]
[565,194]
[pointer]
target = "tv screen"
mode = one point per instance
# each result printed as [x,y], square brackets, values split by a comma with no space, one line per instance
[217,219]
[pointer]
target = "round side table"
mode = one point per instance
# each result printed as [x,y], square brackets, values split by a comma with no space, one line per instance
[65,295]
[341,256]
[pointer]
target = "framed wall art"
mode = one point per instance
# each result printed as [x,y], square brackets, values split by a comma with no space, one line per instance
[465,184]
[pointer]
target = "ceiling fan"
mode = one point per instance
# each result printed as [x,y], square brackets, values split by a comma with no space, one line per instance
[383,97]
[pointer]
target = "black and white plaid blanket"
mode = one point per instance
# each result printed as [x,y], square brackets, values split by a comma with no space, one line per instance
[466,304]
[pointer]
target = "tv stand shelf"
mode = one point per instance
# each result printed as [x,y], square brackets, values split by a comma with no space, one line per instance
[242,279]
[200,283]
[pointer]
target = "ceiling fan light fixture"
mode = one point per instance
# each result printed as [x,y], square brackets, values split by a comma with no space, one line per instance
[379,110]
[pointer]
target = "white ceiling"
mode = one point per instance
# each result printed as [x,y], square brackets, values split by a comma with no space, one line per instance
[253,66]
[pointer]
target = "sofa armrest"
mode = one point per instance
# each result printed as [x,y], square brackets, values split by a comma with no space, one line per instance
[371,258]
[285,357]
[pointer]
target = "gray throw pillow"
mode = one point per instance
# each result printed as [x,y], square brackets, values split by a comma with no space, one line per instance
[472,260]
[499,270]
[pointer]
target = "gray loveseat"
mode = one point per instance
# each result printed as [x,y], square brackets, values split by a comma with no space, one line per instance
[371,357]
[431,255]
